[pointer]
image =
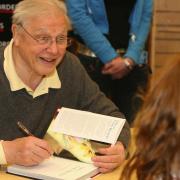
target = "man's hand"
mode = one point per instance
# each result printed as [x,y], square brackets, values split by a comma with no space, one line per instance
[111,157]
[26,151]
[117,68]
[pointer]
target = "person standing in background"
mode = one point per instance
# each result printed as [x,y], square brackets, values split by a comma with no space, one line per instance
[114,34]
[6,10]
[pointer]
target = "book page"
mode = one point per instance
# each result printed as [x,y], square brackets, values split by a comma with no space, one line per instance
[56,168]
[88,125]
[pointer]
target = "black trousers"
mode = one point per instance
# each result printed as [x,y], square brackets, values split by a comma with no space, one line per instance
[123,92]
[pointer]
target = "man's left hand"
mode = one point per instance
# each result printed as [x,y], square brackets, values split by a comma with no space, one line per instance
[111,157]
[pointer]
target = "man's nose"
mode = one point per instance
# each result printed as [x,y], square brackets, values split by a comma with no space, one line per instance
[53,47]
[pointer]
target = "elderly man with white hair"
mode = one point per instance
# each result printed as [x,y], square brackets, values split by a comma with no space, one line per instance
[37,76]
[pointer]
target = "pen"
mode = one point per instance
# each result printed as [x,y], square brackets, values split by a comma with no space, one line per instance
[24,129]
[27,132]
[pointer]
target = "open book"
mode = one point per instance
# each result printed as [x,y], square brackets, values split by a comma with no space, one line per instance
[72,130]
[88,125]
[56,168]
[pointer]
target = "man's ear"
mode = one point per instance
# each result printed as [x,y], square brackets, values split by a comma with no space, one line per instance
[15,33]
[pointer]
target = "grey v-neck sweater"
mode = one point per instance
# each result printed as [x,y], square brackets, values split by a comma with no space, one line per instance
[77,91]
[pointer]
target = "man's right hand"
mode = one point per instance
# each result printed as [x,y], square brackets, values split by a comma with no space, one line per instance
[117,68]
[26,151]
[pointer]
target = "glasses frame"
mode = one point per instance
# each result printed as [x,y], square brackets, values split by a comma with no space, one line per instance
[66,42]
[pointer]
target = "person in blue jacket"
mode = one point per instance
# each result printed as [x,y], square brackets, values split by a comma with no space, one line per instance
[96,22]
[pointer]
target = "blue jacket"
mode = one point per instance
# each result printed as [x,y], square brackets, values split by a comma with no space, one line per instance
[89,20]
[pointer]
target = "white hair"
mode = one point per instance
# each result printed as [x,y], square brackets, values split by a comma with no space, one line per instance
[29,8]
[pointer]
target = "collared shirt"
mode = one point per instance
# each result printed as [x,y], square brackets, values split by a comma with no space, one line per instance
[2,155]
[50,81]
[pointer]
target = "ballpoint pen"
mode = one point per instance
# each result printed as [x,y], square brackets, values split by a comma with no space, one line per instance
[24,129]
[27,132]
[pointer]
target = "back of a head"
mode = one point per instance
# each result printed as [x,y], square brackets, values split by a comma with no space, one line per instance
[26,9]
[158,127]
[164,94]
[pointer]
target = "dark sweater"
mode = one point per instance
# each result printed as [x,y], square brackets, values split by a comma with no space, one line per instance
[77,91]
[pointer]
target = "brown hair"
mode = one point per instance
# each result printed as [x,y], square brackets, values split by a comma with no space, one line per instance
[158,128]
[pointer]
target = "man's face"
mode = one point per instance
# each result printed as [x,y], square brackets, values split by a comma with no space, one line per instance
[40,44]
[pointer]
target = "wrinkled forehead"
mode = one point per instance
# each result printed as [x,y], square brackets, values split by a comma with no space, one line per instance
[45,16]
[48,22]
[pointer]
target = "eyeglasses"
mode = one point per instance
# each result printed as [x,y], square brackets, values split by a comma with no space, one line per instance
[46,40]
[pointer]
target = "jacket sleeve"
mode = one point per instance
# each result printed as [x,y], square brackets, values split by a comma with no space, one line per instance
[140,33]
[85,27]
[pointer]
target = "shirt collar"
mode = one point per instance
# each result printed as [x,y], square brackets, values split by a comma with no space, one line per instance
[50,81]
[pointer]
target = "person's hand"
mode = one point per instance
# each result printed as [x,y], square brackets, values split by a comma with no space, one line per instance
[117,68]
[110,159]
[26,151]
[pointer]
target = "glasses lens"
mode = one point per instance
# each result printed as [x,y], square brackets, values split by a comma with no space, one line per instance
[61,40]
[44,40]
